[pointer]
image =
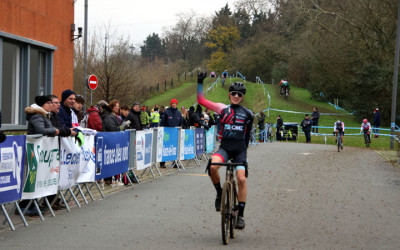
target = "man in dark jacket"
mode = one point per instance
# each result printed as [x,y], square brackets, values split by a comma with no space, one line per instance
[134,117]
[315,120]
[261,125]
[55,120]
[306,126]
[376,122]
[172,118]
[67,103]
[279,125]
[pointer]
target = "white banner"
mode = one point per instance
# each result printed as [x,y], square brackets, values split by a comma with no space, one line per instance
[160,143]
[70,157]
[43,167]
[87,164]
[144,144]
[182,145]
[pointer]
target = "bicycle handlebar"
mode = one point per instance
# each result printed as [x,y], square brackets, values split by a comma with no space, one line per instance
[228,164]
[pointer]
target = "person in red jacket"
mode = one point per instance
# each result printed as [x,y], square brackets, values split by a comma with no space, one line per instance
[94,120]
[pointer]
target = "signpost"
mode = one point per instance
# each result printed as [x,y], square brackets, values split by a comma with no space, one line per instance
[91,83]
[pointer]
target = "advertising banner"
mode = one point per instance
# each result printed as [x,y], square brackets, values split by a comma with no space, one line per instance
[187,148]
[167,147]
[70,157]
[87,163]
[210,139]
[12,159]
[199,139]
[43,167]
[112,153]
[144,144]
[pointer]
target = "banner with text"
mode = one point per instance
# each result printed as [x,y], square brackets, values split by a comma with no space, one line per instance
[187,148]
[144,143]
[43,167]
[87,163]
[12,159]
[112,153]
[70,156]
[167,144]
[199,135]
[210,139]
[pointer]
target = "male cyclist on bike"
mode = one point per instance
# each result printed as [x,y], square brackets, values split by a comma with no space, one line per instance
[236,122]
[339,128]
[284,86]
[366,128]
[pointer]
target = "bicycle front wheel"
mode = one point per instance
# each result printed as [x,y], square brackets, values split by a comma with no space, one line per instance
[234,212]
[366,140]
[225,213]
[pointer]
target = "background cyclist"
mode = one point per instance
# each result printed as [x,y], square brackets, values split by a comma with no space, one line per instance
[339,128]
[236,122]
[366,128]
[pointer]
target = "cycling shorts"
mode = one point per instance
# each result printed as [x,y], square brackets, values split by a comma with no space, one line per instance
[340,131]
[236,158]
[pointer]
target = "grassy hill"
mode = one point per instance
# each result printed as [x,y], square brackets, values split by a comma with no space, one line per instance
[257,100]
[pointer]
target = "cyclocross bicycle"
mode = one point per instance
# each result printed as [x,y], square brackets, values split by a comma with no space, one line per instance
[229,201]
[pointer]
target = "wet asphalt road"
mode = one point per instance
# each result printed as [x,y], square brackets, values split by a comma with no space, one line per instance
[301,196]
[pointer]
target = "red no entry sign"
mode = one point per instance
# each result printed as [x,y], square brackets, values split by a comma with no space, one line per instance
[92,82]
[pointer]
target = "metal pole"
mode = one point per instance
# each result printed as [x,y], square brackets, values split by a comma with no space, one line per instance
[85,53]
[395,79]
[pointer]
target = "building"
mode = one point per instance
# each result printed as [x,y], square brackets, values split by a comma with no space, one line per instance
[36,54]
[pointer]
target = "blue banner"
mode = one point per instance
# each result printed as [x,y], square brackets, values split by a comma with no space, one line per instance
[12,160]
[112,153]
[188,149]
[170,144]
[210,140]
[199,135]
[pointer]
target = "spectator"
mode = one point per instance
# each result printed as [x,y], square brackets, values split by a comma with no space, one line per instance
[211,121]
[55,120]
[124,112]
[315,119]
[111,121]
[376,122]
[192,116]
[279,125]
[78,106]
[94,119]
[148,111]
[306,125]
[67,103]
[38,117]
[161,111]
[155,118]
[134,116]
[186,120]
[261,125]
[172,118]
[144,118]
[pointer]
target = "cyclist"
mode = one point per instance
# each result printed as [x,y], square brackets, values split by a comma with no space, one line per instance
[366,128]
[236,123]
[339,128]
[284,86]
[224,76]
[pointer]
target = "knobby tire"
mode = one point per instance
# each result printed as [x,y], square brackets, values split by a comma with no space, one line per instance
[366,140]
[225,213]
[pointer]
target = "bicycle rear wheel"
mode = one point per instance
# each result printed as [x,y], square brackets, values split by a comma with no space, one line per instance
[235,211]
[225,213]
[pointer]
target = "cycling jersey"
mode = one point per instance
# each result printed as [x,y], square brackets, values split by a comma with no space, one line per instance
[235,120]
[365,126]
[339,127]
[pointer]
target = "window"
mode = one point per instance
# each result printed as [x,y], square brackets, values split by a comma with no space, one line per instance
[10,88]
[25,72]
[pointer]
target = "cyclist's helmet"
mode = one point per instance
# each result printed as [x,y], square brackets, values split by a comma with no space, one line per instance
[338,122]
[365,121]
[238,86]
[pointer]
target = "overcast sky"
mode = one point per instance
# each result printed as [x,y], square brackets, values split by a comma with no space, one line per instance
[138,19]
